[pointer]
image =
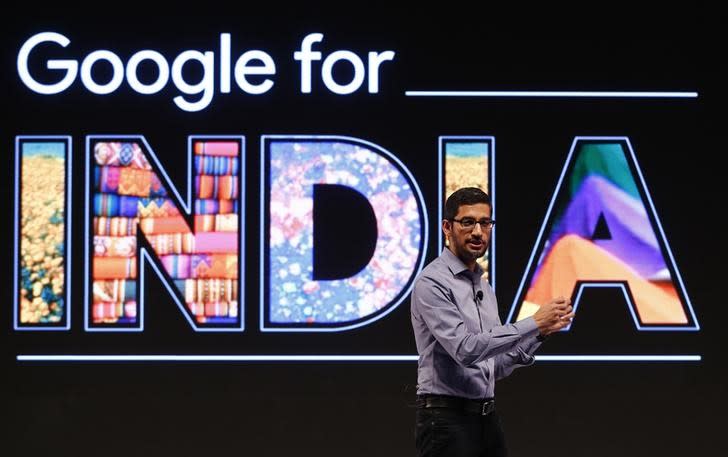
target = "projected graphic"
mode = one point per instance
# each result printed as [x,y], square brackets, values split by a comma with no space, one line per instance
[202,264]
[300,172]
[467,163]
[601,232]
[42,253]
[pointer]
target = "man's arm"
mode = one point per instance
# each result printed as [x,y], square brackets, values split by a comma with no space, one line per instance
[550,318]
[521,356]
[431,303]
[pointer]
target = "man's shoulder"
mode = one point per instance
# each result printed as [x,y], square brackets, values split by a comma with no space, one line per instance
[435,282]
[437,271]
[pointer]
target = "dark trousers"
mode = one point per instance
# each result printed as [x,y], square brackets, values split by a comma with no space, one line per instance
[454,433]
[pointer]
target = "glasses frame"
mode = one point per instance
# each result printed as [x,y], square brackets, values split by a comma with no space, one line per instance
[483,225]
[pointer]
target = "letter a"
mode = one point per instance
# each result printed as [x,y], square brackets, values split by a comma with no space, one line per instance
[602,230]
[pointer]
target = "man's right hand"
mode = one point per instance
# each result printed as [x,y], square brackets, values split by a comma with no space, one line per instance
[554,315]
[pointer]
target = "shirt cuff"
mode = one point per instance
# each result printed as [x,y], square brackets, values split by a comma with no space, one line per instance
[527,358]
[527,327]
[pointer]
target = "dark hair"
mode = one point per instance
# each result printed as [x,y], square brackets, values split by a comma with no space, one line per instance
[464,196]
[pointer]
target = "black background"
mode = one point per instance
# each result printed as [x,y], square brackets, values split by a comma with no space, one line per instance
[365,408]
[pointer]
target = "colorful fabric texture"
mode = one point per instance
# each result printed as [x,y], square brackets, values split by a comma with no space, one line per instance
[209,290]
[129,196]
[112,205]
[172,243]
[128,181]
[120,154]
[210,309]
[187,243]
[156,225]
[216,223]
[214,266]
[114,267]
[223,187]
[114,291]
[208,206]
[214,166]
[114,246]
[114,313]
[115,226]
[177,265]
[156,207]
[217,148]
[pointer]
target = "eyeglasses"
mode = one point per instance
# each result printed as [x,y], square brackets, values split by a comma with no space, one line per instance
[468,223]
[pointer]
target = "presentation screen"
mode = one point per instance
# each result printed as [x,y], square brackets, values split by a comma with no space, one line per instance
[251,200]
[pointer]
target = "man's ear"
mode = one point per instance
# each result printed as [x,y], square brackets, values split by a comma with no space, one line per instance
[447,230]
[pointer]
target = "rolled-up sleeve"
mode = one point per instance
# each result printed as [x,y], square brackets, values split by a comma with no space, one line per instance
[432,304]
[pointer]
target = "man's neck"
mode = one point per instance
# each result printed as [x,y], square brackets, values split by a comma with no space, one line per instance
[471,264]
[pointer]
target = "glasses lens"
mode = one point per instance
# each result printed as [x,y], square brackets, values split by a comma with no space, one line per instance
[469,223]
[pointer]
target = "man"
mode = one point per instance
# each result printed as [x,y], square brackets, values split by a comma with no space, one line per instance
[463,348]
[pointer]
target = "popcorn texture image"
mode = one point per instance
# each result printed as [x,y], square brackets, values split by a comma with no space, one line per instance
[42,225]
[467,165]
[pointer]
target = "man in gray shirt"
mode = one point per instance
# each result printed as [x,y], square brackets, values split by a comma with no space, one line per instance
[463,347]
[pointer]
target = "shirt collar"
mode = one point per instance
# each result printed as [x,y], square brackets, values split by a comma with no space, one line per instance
[457,266]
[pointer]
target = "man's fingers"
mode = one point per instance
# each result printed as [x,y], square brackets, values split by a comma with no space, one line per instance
[565,317]
[565,314]
[561,311]
[565,320]
[560,305]
[562,321]
[559,323]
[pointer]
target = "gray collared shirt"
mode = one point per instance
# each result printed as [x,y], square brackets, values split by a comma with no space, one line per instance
[462,344]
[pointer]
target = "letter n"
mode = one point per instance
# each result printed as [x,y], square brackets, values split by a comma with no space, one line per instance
[136,217]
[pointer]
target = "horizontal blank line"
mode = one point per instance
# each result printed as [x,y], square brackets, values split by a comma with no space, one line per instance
[214,358]
[618,358]
[333,358]
[552,93]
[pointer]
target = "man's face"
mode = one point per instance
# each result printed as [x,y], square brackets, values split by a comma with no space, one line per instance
[469,243]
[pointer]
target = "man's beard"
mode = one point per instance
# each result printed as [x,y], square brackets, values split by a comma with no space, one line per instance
[474,255]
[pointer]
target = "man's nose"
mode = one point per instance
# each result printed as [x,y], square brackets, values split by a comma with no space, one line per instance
[477,230]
